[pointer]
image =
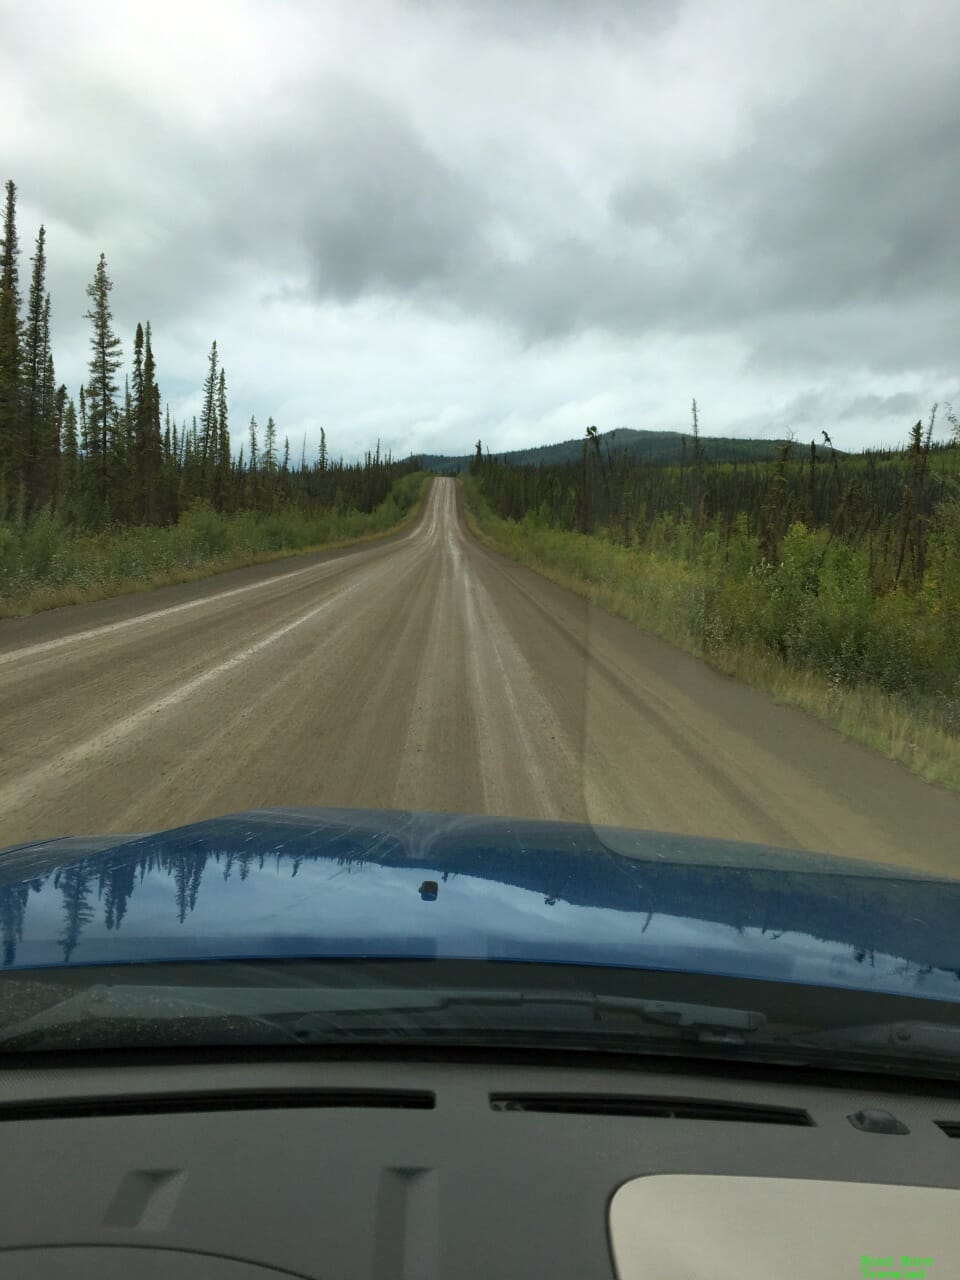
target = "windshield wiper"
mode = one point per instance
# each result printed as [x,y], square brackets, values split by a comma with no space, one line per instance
[325,1013]
[911,1037]
[102,1005]
[140,1016]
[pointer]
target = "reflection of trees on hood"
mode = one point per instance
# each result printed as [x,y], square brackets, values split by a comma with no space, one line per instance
[240,861]
[187,875]
[869,917]
[13,906]
[75,882]
[115,886]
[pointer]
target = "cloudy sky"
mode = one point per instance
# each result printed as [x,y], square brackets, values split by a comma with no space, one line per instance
[430,221]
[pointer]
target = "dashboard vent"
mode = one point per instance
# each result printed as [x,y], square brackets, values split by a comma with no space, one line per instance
[151,1104]
[607,1104]
[950,1127]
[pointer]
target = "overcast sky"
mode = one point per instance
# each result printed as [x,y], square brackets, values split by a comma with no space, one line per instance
[433,221]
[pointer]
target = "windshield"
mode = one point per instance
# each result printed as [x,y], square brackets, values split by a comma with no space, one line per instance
[419,415]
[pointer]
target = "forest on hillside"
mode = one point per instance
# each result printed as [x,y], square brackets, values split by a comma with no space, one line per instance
[846,567]
[640,446]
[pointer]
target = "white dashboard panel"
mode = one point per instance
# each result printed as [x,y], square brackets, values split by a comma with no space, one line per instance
[683,1226]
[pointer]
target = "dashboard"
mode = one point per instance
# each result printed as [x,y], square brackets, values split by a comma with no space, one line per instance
[403,1168]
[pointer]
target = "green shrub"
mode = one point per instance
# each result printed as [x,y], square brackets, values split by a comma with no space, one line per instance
[815,610]
[46,556]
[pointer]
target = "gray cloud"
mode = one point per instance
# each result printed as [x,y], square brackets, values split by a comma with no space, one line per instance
[842,207]
[536,20]
[374,209]
[904,405]
[552,174]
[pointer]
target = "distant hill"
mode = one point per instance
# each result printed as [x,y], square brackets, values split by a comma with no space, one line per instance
[658,447]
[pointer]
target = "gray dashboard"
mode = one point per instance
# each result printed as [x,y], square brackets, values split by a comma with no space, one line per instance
[347,1169]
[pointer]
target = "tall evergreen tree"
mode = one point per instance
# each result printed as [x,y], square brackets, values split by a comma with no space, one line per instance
[121,461]
[223,495]
[253,467]
[69,464]
[36,349]
[149,427]
[143,479]
[209,446]
[138,365]
[84,424]
[53,405]
[268,466]
[254,454]
[11,406]
[167,502]
[102,412]
[269,456]
[46,473]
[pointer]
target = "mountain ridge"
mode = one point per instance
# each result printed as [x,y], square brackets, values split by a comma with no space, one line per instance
[663,448]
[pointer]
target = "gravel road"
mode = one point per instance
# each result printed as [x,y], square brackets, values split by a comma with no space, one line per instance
[426,672]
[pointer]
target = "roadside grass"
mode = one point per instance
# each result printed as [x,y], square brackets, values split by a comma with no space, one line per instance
[45,566]
[671,597]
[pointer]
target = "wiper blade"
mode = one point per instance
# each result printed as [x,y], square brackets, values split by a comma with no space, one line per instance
[102,1005]
[532,1011]
[927,1038]
[302,1014]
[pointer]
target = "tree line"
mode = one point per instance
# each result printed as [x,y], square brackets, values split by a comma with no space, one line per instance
[114,455]
[885,503]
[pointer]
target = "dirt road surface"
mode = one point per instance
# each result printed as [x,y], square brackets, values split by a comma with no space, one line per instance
[421,672]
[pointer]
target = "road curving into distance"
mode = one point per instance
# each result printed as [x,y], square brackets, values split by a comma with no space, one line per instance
[426,672]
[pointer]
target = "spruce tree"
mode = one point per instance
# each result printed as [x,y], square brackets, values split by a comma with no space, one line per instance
[270,447]
[269,466]
[254,455]
[209,446]
[45,471]
[149,426]
[223,495]
[84,424]
[191,473]
[101,407]
[139,496]
[69,465]
[36,348]
[11,406]
[138,365]
[253,467]
[52,408]
[89,477]
[147,443]
[169,466]
[175,474]
[121,460]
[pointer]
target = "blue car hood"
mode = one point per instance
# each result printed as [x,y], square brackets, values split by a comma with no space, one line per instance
[338,883]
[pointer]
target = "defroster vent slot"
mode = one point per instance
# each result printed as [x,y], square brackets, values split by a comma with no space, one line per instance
[152,1104]
[607,1104]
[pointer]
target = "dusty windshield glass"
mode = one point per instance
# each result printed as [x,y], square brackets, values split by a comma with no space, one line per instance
[540,413]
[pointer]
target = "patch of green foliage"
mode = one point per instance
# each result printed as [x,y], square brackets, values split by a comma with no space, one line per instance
[46,562]
[811,625]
